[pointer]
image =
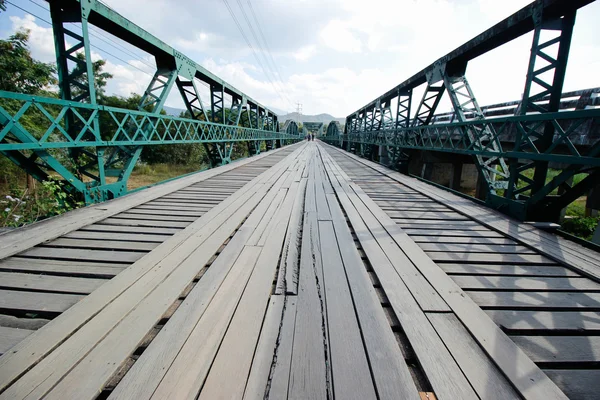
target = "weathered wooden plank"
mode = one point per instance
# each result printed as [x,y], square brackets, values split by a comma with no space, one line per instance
[482,373]
[537,300]
[567,349]
[9,337]
[526,320]
[200,324]
[61,267]
[141,222]
[163,212]
[133,283]
[513,362]
[155,217]
[442,371]
[280,378]
[51,228]
[580,384]
[125,237]
[428,215]
[84,255]
[489,258]
[49,283]
[390,372]
[418,231]
[101,244]
[506,270]
[99,227]
[583,260]
[265,350]
[308,375]
[476,248]
[36,302]
[349,365]
[237,349]
[540,284]
[461,240]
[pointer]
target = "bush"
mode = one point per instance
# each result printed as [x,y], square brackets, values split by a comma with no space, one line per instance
[582,227]
[21,207]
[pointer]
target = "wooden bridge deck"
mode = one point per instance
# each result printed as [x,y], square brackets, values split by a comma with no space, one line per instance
[304,273]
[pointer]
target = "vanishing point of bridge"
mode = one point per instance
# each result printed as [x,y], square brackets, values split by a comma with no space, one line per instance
[314,269]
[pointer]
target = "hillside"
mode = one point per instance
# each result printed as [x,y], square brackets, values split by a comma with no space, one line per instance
[325,118]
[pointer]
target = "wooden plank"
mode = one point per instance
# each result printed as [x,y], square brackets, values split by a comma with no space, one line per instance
[123,339]
[539,284]
[489,258]
[442,371]
[537,300]
[428,215]
[349,365]
[390,372]
[506,270]
[578,257]
[101,244]
[16,300]
[288,266]
[133,283]
[513,362]
[237,349]
[308,375]
[155,217]
[566,349]
[99,227]
[201,322]
[417,231]
[580,384]
[461,239]
[49,283]
[140,222]
[529,321]
[84,255]
[125,237]
[9,337]
[51,228]
[163,212]
[56,267]
[280,378]
[476,248]
[484,376]
[265,350]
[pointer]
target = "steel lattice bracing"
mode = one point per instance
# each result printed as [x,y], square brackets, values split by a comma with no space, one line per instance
[512,153]
[87,143]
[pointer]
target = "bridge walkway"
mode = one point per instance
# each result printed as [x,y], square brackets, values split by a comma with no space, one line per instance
[319,277]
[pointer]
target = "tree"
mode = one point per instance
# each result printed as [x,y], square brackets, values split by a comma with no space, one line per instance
[19,72]
[100,77]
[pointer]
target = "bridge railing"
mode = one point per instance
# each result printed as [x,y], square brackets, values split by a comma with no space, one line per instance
[115,127]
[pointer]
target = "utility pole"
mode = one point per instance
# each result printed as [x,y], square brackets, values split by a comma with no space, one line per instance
[298,112]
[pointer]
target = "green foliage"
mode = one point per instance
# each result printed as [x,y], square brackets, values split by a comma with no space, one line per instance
[582,227]
[19,72]
[23,207]
[100,77]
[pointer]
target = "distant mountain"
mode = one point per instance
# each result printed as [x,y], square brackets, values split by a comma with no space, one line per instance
[176,112]
[282,116]
[325,118]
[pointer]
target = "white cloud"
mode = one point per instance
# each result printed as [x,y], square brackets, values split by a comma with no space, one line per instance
[305,52]
[338,36]
[41,40]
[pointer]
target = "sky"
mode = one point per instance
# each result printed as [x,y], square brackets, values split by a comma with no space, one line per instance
[332,56]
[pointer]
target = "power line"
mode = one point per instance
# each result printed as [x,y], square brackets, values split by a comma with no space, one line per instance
[260,31]
[91,45]
[235,20]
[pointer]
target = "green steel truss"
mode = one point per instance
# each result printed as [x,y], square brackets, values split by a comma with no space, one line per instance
[511,153]
[94,147]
